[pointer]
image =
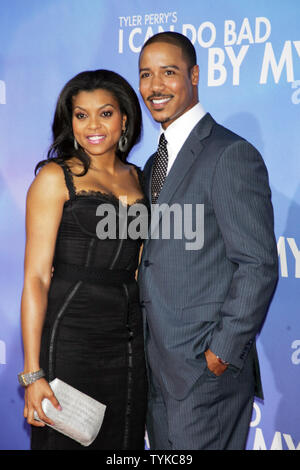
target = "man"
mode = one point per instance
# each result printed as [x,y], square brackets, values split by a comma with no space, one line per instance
[202,307]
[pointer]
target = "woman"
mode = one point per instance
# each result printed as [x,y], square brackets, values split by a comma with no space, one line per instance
[81,321]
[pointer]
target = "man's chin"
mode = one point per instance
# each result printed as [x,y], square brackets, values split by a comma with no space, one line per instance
[160,119]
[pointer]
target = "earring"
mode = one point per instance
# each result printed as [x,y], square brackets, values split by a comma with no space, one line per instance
[123,141]
[75,144]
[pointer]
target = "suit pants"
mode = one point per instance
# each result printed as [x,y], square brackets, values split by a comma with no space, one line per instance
[215,415]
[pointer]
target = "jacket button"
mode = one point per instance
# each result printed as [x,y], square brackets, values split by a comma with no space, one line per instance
[146,263]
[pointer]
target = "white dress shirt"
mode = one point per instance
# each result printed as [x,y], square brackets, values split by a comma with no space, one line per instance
[177,132]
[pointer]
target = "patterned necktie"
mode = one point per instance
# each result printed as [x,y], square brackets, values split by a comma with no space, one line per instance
[160,167]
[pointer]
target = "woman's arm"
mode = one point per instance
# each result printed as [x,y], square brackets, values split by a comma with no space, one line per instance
[45,200]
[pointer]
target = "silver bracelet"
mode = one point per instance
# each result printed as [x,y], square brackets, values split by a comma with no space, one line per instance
[30,377]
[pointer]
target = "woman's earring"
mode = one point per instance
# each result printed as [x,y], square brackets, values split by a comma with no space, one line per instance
[123,141]
[75,144]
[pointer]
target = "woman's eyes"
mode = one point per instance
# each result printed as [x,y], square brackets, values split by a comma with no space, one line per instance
[79,115]
[106,114]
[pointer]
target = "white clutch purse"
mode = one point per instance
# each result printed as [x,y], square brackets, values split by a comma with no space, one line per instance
[81,416]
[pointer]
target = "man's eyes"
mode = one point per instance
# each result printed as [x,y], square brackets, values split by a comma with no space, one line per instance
[166,72]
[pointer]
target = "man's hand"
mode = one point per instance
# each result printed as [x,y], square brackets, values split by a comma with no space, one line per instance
[214,364]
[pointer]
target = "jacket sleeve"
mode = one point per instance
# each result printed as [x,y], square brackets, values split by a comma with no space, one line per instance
[242,203]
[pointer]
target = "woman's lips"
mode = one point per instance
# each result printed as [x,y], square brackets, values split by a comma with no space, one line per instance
[95,139]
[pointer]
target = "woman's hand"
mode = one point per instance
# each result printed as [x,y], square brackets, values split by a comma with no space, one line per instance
[34,395]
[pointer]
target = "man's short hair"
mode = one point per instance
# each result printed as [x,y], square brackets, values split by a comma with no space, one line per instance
[179,40]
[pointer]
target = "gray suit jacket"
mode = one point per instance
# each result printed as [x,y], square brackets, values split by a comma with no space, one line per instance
[215,297]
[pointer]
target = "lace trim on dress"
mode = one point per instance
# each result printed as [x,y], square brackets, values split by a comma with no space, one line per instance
[111,197]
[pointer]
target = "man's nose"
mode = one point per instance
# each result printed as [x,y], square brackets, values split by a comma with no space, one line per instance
[157,83]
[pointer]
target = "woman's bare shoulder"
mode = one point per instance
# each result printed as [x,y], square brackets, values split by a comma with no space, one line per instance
[50,179]
[50,170]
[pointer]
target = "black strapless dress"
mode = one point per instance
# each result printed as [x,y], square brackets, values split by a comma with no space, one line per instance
[93,337]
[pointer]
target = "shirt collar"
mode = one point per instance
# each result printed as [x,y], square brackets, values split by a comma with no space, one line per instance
[177,133]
